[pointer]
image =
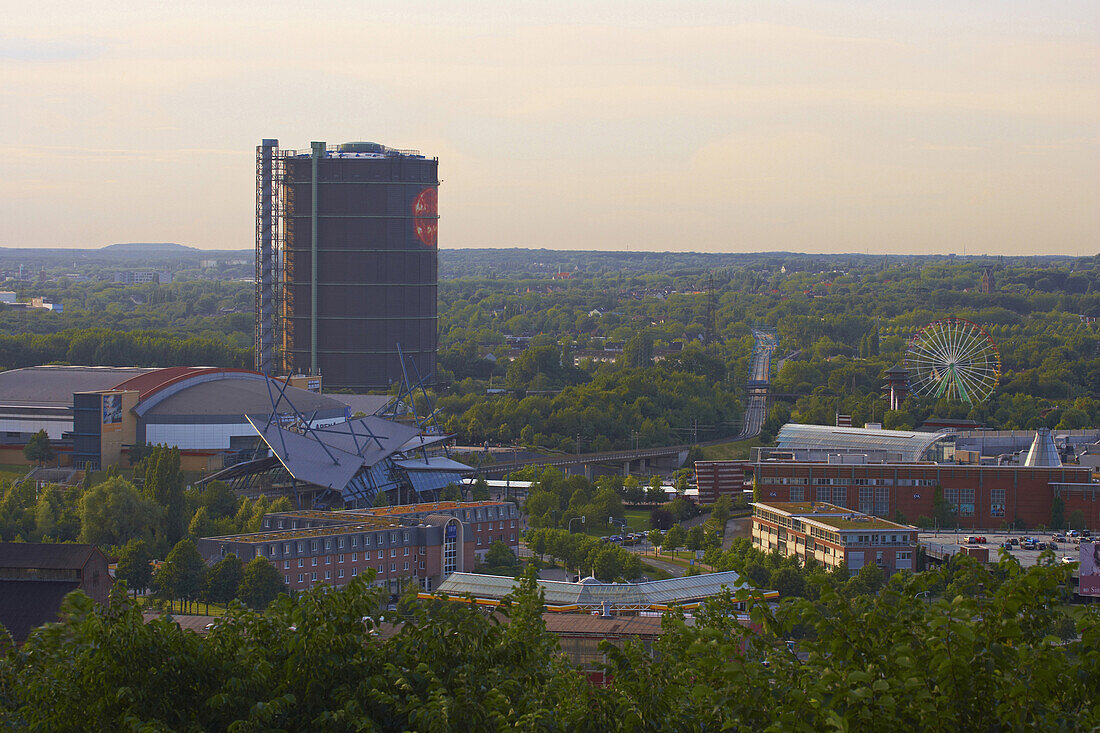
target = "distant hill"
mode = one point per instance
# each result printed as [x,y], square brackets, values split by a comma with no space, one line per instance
[147,247]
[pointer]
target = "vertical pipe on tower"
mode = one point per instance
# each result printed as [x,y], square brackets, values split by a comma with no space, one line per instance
[265,257]
[318,149]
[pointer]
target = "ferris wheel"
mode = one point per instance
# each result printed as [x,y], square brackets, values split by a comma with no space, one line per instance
[953,358]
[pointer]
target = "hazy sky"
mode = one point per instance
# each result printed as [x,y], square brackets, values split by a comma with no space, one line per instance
[709,126]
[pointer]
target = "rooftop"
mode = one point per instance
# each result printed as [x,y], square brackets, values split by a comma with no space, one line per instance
[829,515]
[53,386]
[436,506]
[52,556]
[909,445]
[367,524]
[589,593]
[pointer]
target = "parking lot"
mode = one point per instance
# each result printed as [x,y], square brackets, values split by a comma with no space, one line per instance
[994,540]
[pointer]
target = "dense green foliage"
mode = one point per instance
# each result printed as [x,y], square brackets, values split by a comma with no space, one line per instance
[1003,657]
[112,510]
[649,368]
[604,561]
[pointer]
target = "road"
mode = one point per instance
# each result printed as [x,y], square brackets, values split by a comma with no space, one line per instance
[756,409]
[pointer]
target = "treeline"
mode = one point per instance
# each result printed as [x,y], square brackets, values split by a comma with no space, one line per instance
[1002,654]
[104,347]
[155,507]
[618,408]
[605,561]
[184,576]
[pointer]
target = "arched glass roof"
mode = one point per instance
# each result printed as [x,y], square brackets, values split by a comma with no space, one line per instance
[902,445]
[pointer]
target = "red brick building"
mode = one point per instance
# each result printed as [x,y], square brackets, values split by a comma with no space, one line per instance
[421,542]
[833,535]
[719,478]
[981,496]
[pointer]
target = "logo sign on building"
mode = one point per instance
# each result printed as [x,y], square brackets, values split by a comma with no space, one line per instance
[112,412]
[1090,569]
[452,531]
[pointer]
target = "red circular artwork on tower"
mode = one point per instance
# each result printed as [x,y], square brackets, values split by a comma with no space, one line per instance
[426,216]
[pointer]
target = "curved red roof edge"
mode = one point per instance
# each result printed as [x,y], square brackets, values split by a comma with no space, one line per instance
[152,382]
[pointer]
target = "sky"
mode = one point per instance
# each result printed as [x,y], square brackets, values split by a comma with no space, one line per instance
[839,126]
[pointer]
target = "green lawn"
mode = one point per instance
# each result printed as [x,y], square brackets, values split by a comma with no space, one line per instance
[735,451]
[637,520]
[197,609]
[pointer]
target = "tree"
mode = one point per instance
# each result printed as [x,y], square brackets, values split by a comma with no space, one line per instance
[675,538]
[696,538]
[260,584]
[451,492]
[164,485]
[183,573]
[660,519]
[1058,513]
[38,448]
[224,579]
[480,490]
[135,566]
[721,511]
[381,499]
[500,555]
[655,537]
[1076,519]
[113,513]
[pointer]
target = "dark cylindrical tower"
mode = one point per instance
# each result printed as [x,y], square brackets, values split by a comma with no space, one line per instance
[359,263]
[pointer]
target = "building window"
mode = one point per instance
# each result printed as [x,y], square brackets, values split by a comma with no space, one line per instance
[286,564]
[405,536]
[286,579]
[867,500]
[301,562]
[406,566]
[450,549]
[300,577]
[354,556]
[340,559]
[366,540]
[421,564]
[479,541]
[406,551]
[381,554]
[961,500]
[798,493]
[313,560]
[313,577]
[354,572]
[393,567]
[286,549]
[379,568]
[339,543]
[328,575]
[340,573]
[328,559]
[354,540]
[997,503]
[393,552]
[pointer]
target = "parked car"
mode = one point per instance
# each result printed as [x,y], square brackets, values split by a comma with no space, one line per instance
[1058,538]
[1066,560]
[1073,533]
[981,539]
[1013,541]
[971,540]
[1030,545]
[1007,545]
[1052,545]
[1086,533]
